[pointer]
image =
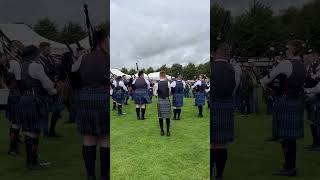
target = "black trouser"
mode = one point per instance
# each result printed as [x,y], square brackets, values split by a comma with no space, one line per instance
[289,148]
[245,103]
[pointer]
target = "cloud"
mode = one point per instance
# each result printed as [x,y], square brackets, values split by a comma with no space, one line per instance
[60,11]
[153,32]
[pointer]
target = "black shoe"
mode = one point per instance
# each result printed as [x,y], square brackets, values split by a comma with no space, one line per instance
[38,166]
[272,139]
[91,178]
[69,122]
[138,118]
[54,135]
[178,118]
[162,133]
[285,172]
[12,152]
[200,115]
[219,178]
[168,133]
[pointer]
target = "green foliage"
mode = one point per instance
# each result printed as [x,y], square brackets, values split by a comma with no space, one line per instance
[72,33]
[132,72]
[124,70]
[47,28]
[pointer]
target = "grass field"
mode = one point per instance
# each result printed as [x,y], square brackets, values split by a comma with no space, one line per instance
[139,152]
[252,158]
[63,153]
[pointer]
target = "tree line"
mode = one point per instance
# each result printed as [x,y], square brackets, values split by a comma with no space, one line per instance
[253,32]
[69,34]
[189,72]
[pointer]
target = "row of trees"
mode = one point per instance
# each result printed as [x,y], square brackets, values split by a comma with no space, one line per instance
[189,71]
[252,33]
[70,33]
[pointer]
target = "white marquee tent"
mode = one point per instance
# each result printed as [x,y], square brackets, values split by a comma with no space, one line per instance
[27,36]
[83,43]
[119,73]
[156,76]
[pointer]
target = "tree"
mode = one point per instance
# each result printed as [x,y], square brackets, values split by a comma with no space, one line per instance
[47,28]
[150,70]
[132,72]
[189,72]
[176,69]
[71,33]
[125,70]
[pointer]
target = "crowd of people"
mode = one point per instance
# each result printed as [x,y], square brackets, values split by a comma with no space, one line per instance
[142,91]
[39,86]
[290,86]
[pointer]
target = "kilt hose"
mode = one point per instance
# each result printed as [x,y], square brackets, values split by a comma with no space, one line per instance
[288,116]
[92,116]
[200,98]
[177,100]
[13,107]
[33,113]
[222,121]
[164,108]
[74,105]
[141,96]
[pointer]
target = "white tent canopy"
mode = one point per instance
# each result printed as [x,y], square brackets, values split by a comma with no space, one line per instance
[119,73]
[27,36]
[156,76]
[145,76]
[83,43]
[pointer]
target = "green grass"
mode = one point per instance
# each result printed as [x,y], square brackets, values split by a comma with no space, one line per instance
[139,152]
[63,153]
[252,158]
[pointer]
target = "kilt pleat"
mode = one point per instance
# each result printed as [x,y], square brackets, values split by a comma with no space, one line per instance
[288,115]
[177,100]
[222,122]
[141,96]
[33,113]
[92,116]
[13,107]
[164,107]
[315,115]
[200,98]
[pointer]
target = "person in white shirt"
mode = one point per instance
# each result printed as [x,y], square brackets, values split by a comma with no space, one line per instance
[178,87]
[162,90]
[36,85]
[141,95]
[119,93]
[200,95]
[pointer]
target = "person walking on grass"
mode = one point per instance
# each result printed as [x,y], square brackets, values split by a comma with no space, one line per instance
[162,90]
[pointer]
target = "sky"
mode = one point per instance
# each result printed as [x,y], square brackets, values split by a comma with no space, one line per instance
[60,11]
[239,6]
[157,32]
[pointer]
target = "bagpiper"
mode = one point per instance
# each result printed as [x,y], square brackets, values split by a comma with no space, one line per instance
[288,106]
[93,118]
[13,108]
[222,109]
[36,86]
[162,90]
[119,94]
[177,88]
[141,96]
[200,94]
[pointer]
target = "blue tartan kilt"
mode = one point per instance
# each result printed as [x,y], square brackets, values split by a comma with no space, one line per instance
[33,113]
[222,122]
[119,96]
[288,114]
[177,100]
[92,117]
[13,107]
[141,96]
[74,105]
[200,98]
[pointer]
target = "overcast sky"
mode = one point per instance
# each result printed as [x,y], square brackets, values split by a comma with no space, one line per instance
[239,6]
[158,32]
[60,11]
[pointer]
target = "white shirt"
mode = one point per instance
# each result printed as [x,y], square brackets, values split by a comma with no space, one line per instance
[15,68]
[76,65]
[199,82]
[284,67]
[173,84]
[121,84]
[155,87]
[36,71]
[148,83]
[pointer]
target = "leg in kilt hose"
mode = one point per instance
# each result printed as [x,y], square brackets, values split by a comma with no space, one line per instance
[168,126]
[14,134]
[89,155]
[161,126]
